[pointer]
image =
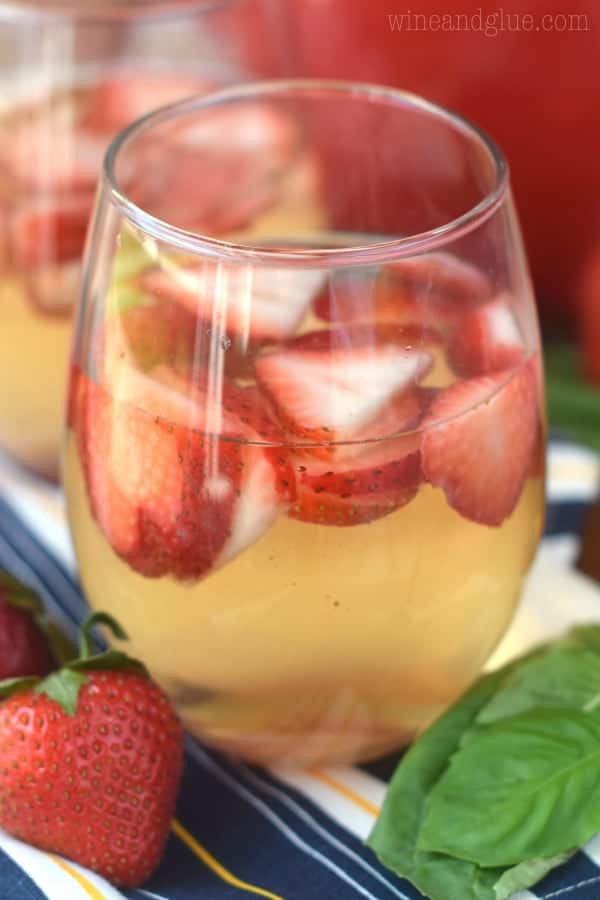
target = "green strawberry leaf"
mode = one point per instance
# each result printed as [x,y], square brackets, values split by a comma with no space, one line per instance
[524,787]
[10,686]
[527,873]
[110,659]
[63,687]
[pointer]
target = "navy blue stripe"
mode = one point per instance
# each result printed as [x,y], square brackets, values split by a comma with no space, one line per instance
[341,845]
[371,877]
[15,884]
[383,768]
[254,840]
[580,870]
[239,839]
[565,518]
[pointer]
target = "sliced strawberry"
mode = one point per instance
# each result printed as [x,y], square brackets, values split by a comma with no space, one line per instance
[486,339]
[369,295]
[257,129]
[174,499]
[75,404]
[249,406]
[116,102]
[382,479]
[266,489]
[327,386]
[54,289]
[49,153]
[49,230]
[443,277]
[180,193]
[254,304]
[478,441]
[429,290]
[401,416]
[245,169]
[160,503]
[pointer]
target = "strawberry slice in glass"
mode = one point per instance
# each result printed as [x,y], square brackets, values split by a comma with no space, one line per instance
[327,386]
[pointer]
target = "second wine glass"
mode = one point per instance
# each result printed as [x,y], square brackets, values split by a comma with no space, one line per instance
[72,76]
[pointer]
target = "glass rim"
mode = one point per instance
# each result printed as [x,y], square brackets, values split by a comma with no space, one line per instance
[108,11]
[356,254]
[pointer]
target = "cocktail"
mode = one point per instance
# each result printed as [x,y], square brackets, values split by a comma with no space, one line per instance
[72,76]
[305,467]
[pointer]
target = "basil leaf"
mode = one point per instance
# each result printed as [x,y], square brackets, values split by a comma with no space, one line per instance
[395,834]
[521,788]
[584,636]
[527,873]
[573,403]
[563,676]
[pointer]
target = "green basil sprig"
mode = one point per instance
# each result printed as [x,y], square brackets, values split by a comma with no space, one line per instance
[505,786]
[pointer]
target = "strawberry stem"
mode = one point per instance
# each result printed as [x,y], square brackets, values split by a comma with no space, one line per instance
[98,618]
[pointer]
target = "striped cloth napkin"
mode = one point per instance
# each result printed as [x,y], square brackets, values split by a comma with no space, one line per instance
[285,836]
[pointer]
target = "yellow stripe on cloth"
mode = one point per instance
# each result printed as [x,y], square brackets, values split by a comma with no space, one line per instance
[345,791]
[84,883]
[209,860]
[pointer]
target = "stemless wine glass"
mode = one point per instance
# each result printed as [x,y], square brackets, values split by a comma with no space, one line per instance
[72,75]
[305,468]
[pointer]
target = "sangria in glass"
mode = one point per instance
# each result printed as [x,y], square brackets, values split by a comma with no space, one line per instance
[305,467]
[72,75]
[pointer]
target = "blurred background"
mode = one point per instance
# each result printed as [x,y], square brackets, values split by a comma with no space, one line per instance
[529,74]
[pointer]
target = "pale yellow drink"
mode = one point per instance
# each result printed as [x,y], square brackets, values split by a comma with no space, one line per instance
[321,643]
[34,353]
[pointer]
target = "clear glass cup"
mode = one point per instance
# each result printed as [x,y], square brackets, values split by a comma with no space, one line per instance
[72,75]
[305,467]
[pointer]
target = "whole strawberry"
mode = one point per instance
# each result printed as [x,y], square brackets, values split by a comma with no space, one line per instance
[90,762]
[24,648]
